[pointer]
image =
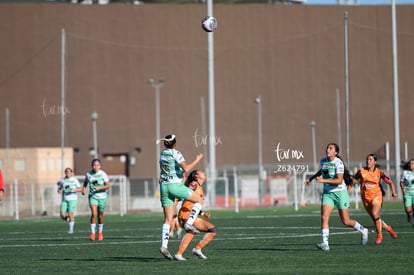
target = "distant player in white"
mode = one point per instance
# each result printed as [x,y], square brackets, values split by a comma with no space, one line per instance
[68,187]
[407,187]
[98,182]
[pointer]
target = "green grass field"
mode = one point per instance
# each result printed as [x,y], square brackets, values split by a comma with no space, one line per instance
[254,241]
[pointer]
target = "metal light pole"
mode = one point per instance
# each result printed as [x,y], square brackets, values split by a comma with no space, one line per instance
[62,96]
[211,109]
[346,46]
[157,86]
[312,124]
[7,130]
[94,118]
[338,116]
[395,89]
[258,101]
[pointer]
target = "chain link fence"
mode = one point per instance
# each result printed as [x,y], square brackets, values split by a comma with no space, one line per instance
[235,187]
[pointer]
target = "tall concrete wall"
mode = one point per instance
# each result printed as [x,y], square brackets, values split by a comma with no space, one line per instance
[292,56]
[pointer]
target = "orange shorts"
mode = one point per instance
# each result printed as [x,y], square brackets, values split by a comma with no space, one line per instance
[372,197]
[183,220]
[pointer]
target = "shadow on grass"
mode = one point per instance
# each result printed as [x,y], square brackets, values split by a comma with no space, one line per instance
[284,247]
[115,259]
[289,247]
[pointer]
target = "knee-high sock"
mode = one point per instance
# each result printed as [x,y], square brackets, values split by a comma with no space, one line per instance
[206,239]
[71,226]
[194,213]
[358,227]
[409,216]
[325,236]
[165,235]
[185,242]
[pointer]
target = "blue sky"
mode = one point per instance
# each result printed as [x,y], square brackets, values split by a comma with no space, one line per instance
[360,2]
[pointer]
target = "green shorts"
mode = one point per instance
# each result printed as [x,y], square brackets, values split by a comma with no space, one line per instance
[170,191]
[338,199]
[101,203]
[68,206]
[408,200]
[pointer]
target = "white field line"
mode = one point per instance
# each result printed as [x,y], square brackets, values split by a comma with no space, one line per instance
[154,238]
[224,233]
[105,242]
[353,212]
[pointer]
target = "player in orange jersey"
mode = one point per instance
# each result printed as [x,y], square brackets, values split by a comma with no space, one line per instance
[195,181]
[372,195]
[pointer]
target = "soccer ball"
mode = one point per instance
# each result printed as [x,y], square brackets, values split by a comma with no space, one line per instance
[209,24]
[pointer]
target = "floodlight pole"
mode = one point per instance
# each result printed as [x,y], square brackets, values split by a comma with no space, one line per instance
[157,86]
[312,124]
[346,86]
[211,108]
[396,100]
[258,101]
[94,118]
[62,95]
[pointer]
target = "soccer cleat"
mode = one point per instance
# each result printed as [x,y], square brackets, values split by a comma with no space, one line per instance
[199,254]
[179,233]
[179,257]
[100,236]
[92,236]
[322,246]
[364,237]
[164,251]
[190,228]
[70,231]
[378,240]
[393,234]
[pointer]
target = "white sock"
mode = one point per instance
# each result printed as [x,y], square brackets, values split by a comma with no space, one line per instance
[71,226]
[100,227]
[359,227]
[93,228]
[325,236]
[194,213]
[165,237]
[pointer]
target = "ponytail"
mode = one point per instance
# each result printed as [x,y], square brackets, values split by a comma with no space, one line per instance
[191,177]
[347,176]
[405,165]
